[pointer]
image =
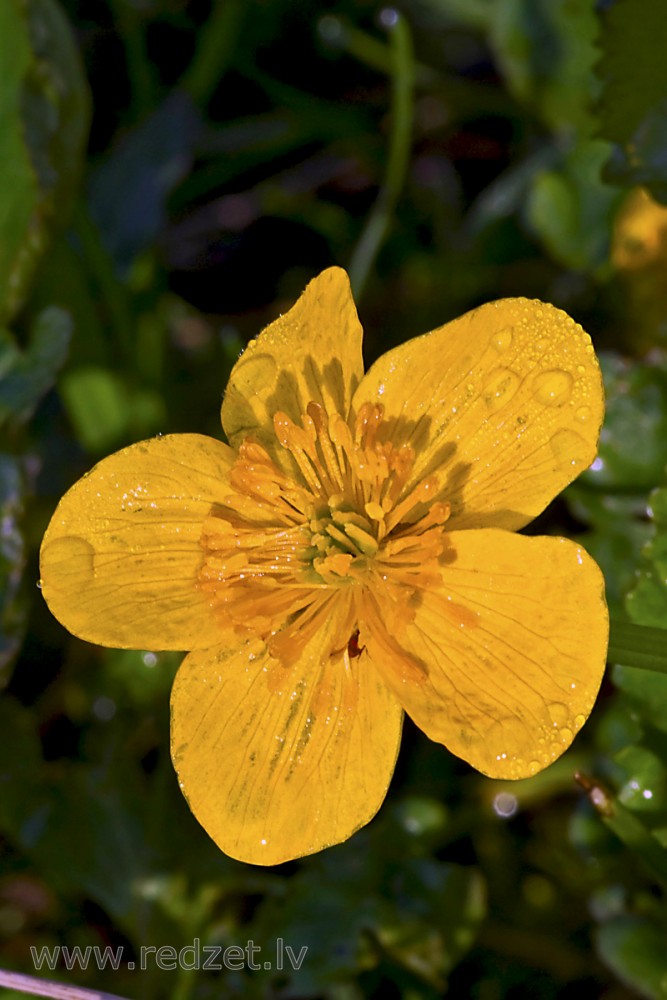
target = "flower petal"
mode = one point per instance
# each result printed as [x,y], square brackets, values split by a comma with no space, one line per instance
[312,353]
[507,401]
[120,558]
[503,662]
[280,762]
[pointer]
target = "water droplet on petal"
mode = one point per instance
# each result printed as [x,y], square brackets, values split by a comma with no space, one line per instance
[583,414]
[553,388]
[559,713]
[565,735]
[567,447]
[502,340]
[579,721]
[500,387]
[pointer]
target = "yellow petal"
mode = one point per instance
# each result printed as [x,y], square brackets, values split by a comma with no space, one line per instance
[312,353]
[503,662]
[120,558]
[505,403]
[276,763]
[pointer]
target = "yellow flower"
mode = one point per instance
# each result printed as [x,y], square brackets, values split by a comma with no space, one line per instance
[640,233]
[349,557]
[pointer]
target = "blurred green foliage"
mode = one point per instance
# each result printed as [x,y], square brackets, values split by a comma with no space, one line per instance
[453,152]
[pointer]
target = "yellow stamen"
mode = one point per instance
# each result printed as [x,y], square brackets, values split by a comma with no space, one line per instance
[282,553]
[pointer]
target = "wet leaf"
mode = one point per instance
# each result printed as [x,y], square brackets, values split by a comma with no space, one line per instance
[28,375]
[633,102]
[618,530]
[571,209]
[644,783]
[546,49]
[44,111]
[647,601]
[128,192]
[646,692]
[634,948]
[632,69]
[12,562]
[379,904]
[633,443]
[103,407]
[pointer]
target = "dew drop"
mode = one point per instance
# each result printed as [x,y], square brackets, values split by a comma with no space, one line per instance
[553,388]
[578,722]
[533,766]
[583,414]
[565,735]
[501,386]
[502,340]
[505,804]
[388,17]
[567,447]
[559,713]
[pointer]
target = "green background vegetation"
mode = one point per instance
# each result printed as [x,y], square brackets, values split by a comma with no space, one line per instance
[172,172]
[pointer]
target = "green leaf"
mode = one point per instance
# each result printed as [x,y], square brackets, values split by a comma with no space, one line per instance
[44,114]
[633,103]
[647,601]
[20,763]
[129,190]
[474,14]
[546,50]
[618,531]
[571,209]
[642,161]
[632,68]
[645,691]
[644,786]
[633,442]
[45,809]
[104,409]
[634,948]
[380,903]
[12,561]
[25,376]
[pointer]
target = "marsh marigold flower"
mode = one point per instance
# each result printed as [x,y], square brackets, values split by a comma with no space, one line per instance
[351,555]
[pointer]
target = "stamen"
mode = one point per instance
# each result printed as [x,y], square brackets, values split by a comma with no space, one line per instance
[331,458]
[285,555]
[299,444]
[420,494]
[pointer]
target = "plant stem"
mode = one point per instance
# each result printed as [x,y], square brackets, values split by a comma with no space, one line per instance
[638,646]
[402,101]
[48,988]
[215,50]
[627,826]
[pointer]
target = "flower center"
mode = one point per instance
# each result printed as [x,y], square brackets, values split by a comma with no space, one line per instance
[282,549]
